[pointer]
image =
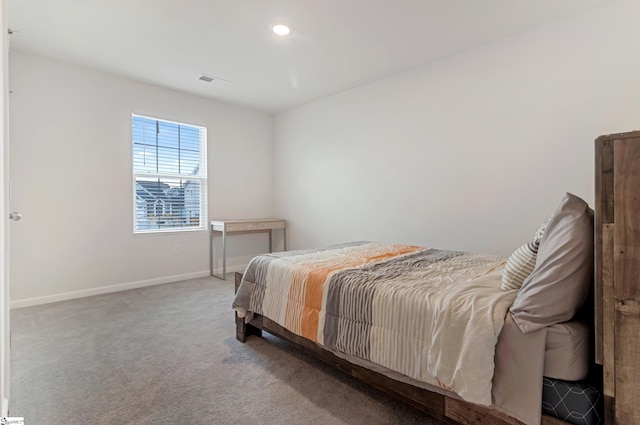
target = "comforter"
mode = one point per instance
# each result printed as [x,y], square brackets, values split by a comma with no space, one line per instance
[431,315]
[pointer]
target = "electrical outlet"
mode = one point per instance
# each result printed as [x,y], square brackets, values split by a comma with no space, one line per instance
[177,249]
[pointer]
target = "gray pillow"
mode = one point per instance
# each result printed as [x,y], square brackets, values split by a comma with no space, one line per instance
[562,276]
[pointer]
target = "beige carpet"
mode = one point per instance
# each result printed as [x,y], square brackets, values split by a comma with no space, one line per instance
[168,355]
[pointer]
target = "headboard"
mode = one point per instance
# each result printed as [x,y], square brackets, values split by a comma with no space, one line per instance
[617,271]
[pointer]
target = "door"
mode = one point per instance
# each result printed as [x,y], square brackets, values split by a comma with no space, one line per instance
[4,213]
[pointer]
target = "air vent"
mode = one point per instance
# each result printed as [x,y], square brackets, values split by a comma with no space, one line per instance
[206,78]
[214,80]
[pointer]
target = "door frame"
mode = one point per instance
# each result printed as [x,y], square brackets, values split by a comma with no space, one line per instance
[4,213]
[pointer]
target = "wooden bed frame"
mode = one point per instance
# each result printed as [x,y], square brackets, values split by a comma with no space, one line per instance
[617,304]
[449,410]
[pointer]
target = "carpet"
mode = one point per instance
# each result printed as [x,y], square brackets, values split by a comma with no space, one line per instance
[167,354]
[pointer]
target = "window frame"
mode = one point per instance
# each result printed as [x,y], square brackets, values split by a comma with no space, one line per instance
[201,178]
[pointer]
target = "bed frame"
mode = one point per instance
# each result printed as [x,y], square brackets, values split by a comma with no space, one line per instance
[617,304]
[449,410]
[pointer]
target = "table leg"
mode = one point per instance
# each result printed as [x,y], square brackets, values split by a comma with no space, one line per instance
[224,252]
[211,249]
[223,276]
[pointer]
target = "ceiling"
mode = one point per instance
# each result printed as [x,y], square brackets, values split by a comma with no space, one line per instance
[334,44]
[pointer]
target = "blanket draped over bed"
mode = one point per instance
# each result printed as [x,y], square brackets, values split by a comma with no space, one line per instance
[431,315]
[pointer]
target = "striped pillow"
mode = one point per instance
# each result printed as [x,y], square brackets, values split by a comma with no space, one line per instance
[519,266]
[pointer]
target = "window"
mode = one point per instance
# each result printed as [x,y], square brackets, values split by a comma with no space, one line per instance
[169,175]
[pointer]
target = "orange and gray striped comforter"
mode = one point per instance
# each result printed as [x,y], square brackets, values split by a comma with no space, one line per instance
[431,315]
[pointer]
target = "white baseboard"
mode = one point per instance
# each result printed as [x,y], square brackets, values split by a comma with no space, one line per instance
[230,270]
[28,302]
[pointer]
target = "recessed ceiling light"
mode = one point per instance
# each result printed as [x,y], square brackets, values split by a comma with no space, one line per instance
[281,29]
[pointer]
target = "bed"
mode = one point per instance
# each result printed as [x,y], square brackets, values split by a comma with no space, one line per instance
[472,338]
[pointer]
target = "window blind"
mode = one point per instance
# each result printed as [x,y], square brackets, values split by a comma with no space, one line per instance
[169,175]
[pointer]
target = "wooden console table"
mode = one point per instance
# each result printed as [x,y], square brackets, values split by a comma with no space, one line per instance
[242,226]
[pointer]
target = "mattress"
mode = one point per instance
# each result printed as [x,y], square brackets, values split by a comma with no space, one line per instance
[566,354]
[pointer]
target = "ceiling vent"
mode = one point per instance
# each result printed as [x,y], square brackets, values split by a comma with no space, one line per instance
[213,80]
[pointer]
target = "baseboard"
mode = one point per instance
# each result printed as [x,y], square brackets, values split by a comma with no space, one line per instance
[28,302]
[230,270]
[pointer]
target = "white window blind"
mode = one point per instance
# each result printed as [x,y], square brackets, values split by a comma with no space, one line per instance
[169,175]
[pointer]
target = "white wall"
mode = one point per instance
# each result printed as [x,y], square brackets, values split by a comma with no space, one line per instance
[72,181]
[470,153]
